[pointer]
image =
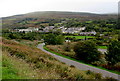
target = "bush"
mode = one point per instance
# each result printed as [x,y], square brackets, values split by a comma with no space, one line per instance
[67,47]
[110,79]
[102,61]
[87,51]
[117,66]
[89,72]
[78,77]
[72,66]
[98,76]
[113,54]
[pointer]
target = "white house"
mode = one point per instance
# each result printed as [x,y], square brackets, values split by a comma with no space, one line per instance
[34,29]
[88,33]
[25,30]
[48,28]
[30,29]
[72,30]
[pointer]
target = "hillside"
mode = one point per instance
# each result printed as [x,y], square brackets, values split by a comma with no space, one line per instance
[57,14]
[21,62]
[35,19]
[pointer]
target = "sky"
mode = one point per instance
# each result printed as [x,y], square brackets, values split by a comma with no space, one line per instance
[16,7]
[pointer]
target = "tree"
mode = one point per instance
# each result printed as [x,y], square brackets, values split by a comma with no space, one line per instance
[119,36]
[113,54]
[87,51]
[29,36]
[58,31]
[53,39]
[60,39]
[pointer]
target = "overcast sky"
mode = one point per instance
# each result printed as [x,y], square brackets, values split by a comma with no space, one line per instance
[15,7]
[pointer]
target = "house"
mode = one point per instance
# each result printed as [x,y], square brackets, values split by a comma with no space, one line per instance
[67,41]
[34,29]
[101,34]
[30,29]
[48,28]
[88,33]
[24,30]
[73,30]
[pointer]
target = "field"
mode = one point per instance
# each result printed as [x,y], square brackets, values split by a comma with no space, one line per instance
[102,47]
[80,37]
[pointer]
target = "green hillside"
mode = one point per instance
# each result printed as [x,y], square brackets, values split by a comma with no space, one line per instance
[35,19]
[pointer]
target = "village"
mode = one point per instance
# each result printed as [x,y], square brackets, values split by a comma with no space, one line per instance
[64,30]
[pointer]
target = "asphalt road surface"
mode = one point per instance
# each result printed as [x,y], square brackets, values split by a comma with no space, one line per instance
[80,65]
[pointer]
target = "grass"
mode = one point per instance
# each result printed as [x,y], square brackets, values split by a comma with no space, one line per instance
[14,68]
[57,53]
[102,47]
[33,43]
[80,37]
[25,62]
[78,60]
[61,49]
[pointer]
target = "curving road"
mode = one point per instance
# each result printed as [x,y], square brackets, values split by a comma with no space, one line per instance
[80,65]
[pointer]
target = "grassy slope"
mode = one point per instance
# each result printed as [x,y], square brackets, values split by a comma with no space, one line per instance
[14,68]
[25,62]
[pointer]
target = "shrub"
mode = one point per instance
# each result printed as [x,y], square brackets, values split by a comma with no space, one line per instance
[117,66]
[78,77]
[87,51]
[72,66]
[67,47]
[98,76]
[88,72]
[110,79]
[113,54]
[102,61]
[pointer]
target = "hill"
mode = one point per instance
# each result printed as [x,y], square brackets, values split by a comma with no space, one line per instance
[32,63]
[34,19]
[57,14]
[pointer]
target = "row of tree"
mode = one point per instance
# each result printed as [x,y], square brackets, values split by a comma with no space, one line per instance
[26,36]
[53,38]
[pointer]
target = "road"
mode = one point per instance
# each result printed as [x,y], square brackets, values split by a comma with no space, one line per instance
[102,50]
[80,65]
